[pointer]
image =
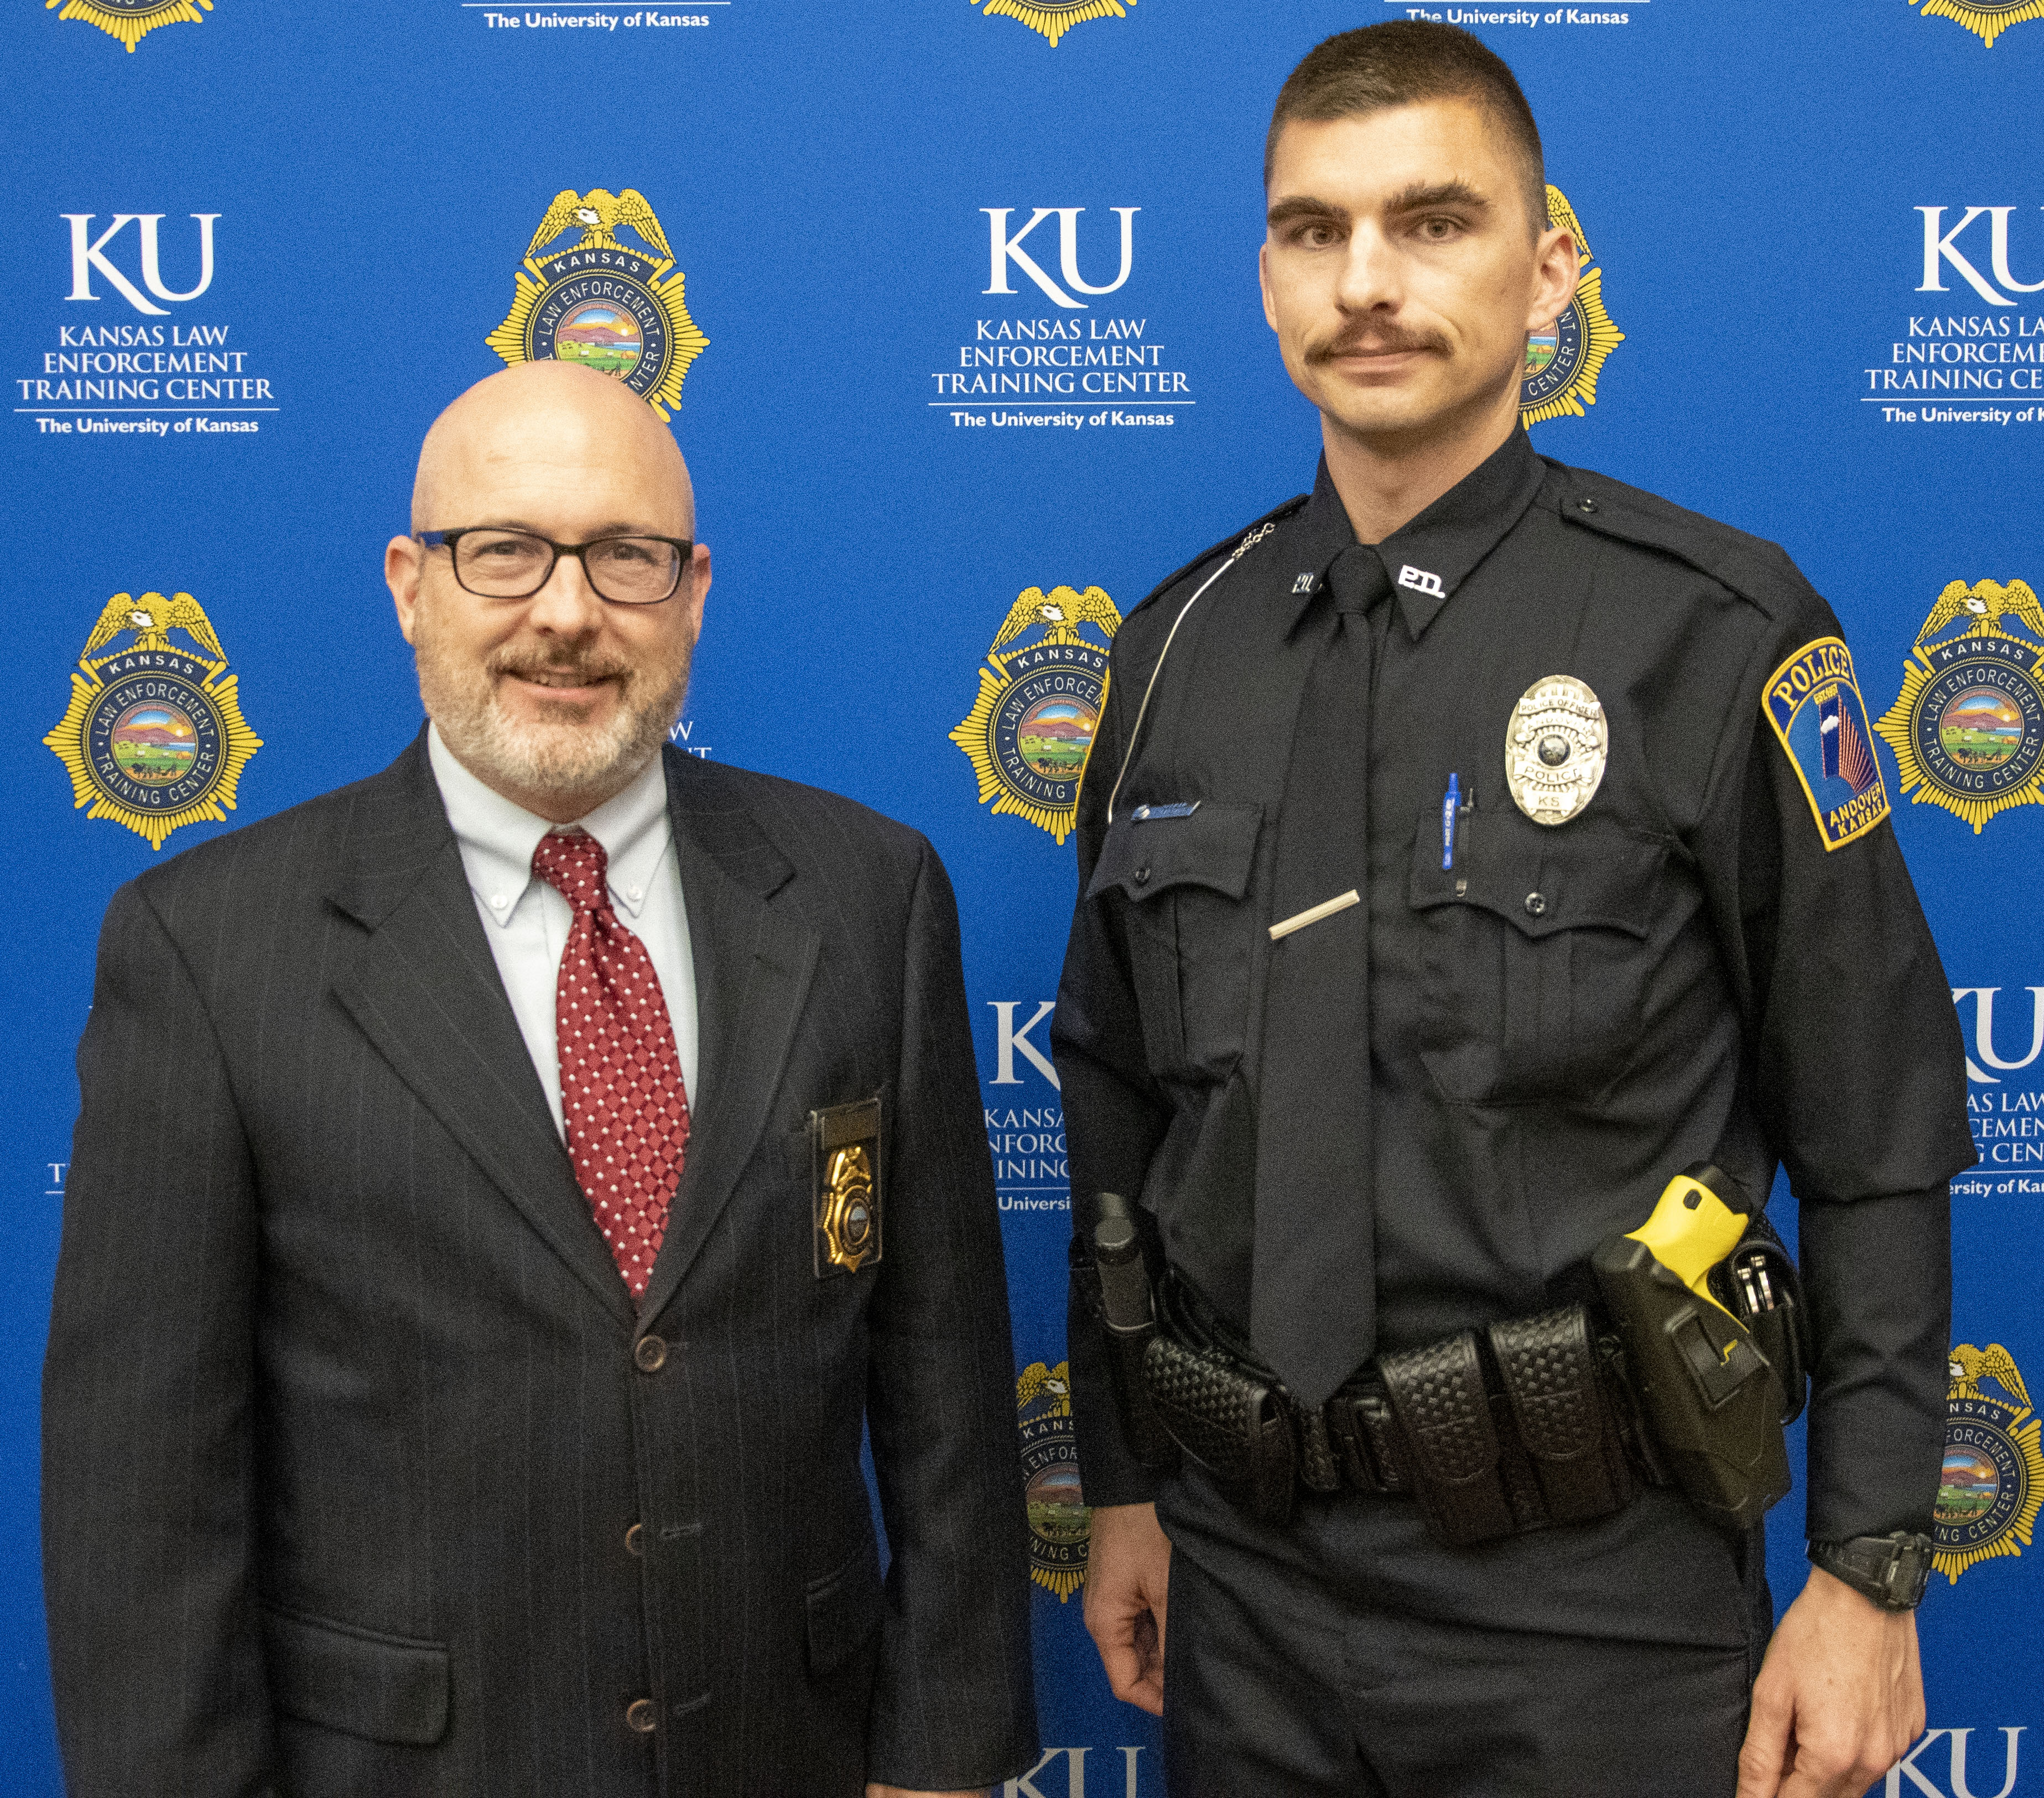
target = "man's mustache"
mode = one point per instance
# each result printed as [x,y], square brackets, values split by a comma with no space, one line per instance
[582,670]
[1377,340]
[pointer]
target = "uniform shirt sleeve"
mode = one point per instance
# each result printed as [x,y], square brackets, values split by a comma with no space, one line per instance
[1116,1114]
[1857,1072]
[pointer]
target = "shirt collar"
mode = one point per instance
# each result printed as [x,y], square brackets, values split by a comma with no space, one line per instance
[1430,555]
[498,838]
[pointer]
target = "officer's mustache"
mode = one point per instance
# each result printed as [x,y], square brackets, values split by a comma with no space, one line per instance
[1376,339]
[559,670]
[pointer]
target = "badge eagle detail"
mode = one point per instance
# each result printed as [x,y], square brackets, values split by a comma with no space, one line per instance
[1060,1525]
[1031,728]
[1563,362]
[601,302]
[153,736]
[131,21]
[1986,19]
[1055,17]
[1967,727]
[1993,1480]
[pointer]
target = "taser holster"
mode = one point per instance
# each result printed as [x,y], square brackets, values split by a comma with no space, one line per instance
[1128,1315]
[1709,1308]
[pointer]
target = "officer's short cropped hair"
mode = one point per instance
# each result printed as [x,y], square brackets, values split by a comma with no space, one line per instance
[1401,62]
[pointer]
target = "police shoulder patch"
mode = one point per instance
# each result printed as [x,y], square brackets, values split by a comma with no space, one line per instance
[1813,703]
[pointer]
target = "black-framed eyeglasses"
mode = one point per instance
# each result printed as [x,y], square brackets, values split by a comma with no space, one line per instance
[499,564]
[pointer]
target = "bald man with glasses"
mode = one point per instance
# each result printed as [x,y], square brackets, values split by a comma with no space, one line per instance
[459,1365]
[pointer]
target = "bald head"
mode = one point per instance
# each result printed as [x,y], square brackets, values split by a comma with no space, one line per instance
[518,434]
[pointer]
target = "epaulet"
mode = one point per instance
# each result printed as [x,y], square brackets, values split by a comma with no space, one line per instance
[1234,541]
[1758,571]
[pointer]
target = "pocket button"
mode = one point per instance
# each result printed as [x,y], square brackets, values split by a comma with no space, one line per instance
[1143,877]
[1536,904]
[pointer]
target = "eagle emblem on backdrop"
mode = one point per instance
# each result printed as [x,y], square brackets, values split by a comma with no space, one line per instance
[1055,17]
[131,21]
[154,737]
[1967,727]
[1060,1525]
[1032,727]
[602,301]
[1986,19]
[1563,362]
[1993,1479]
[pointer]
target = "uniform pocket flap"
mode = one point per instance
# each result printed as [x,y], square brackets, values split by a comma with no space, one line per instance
[1592,872]
[382,1688]
[844,1609]
[1151,849]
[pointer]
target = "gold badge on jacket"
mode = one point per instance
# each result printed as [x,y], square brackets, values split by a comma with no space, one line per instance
[844,1146]
[1555,748]
[153,736]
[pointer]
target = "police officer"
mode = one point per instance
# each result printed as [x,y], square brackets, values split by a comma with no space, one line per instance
[1468,847]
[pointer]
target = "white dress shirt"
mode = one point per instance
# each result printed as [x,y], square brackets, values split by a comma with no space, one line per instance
[528,920]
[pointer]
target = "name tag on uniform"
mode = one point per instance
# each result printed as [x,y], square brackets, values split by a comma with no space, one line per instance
[844,1150]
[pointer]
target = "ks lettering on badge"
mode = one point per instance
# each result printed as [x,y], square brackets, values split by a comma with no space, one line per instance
[1813,703]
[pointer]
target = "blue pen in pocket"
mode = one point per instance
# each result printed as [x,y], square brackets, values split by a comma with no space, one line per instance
[1450,805]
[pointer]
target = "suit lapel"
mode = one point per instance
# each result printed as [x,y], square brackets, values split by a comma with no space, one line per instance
[423,988]
[753,961]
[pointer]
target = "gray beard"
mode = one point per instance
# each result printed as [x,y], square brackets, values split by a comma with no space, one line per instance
[561,760]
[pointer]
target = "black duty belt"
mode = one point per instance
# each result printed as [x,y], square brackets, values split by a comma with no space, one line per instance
[1528,1424]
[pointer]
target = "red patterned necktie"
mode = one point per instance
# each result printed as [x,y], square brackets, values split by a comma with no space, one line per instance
[622,1095]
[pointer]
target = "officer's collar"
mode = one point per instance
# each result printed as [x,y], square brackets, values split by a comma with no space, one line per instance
[1430,555]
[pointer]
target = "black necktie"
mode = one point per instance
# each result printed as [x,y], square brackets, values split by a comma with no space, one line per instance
[1313,1282]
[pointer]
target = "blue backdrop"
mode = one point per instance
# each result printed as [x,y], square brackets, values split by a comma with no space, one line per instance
[970,302]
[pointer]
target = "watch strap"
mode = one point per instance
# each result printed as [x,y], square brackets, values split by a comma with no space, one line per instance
[1892,1570]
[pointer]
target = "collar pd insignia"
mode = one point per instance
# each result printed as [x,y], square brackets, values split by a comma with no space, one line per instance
[1813,703]
[1055,17]
[1563,361]
[1993,1481]
[1555,748]
[844,1144]
[601,303]
[1967,727]
[1059,1523]
[131,21]
[1031,728]
[1986,19]
[153,736]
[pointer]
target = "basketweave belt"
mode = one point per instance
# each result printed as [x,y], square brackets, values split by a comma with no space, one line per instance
[1527,1424]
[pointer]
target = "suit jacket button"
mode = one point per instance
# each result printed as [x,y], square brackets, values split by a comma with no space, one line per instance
[639,1716]
[635,1539]
[649,1355]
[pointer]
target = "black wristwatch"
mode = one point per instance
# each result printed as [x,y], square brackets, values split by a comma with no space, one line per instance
[1893,1570]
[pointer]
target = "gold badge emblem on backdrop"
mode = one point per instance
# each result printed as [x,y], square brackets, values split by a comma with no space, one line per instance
[1060,1525]
[1563,363]
[131,21]
[1031,728]
[1993,1480]
[1555,748]
[1986,19]
[1055,17]
[1967,726]
[153,736]
[602,303]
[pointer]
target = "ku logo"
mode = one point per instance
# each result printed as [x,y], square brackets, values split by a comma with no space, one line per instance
[1908,1775]
[1942,251]
[89,252]
[1062,1773]
[1007,253]
[1983,1056]
[1013,1039]
[1420,580]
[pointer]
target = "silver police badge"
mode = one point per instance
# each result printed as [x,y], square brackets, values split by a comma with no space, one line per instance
[1555,749]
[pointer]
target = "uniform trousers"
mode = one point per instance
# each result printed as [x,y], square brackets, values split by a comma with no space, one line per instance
[1348,1654]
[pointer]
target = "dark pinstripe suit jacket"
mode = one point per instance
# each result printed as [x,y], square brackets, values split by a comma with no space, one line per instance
[344,1417]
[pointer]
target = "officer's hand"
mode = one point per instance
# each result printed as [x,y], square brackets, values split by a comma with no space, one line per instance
[1128,1572]
[1839,1698]
[874,1791]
